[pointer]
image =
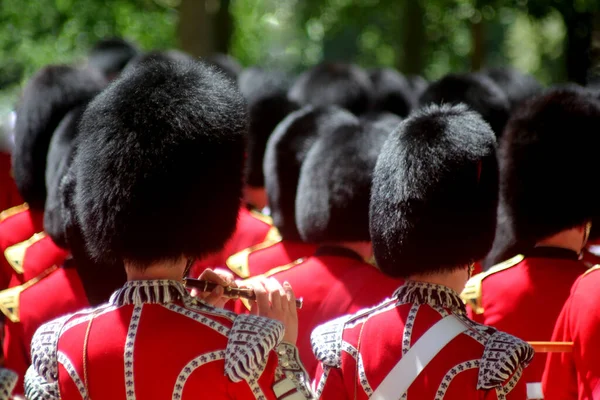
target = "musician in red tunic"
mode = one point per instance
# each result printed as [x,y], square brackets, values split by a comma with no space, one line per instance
[286,151]
[559,125]
[50,94]
[141,171]
[576,374]
[432,214]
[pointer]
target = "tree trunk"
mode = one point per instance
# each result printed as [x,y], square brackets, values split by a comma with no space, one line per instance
[478,45]
[594,73]
[205,26]
[194,31]
[410,57]
[579,40]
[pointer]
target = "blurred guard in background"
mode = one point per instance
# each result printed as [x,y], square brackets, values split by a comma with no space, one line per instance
[332,211]
[549,148]
[432,214]
[47,98]
[111,55]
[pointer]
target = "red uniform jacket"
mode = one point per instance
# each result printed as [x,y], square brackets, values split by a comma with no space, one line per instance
[252,228]
[272,253]
[17,225]
[9,195]
[576,375]
[357,352]
[333,282]
[524,295]
[40,300]
[154,341]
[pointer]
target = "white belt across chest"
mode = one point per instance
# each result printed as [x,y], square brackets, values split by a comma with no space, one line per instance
[404,373]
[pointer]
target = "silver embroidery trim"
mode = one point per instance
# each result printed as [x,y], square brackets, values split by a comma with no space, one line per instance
[431,294]
[88,314]
[43,349]
[362,376]
[249,343]
[408,328]
[196,316]
[502,356]
[503,391]
[321,385]
[158,291]
[8,381]
[190,367]
[457,369]
[68,365]
[128,363]
[37,388]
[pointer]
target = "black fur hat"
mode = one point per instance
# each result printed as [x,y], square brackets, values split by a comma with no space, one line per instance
[384,120]
[266,95]
[332,204]
[49,95]
[547,154]
[226,64]
[517,86]
[59,159]
[286,150]
[435,192]
[111,55]
[344,85]
[159,164]
[417,84]
[392,92]
[477,91]
[171,55]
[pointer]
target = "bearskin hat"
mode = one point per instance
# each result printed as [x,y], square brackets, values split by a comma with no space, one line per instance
[547,153]
[159,164]
[345,85]
[517,86]
[392,92]
[477,91]
[266,95]
[435,192]
[60,154]
[111,55]
[171,55]
[286,150]
[332,204]
[50,94]
[226,64]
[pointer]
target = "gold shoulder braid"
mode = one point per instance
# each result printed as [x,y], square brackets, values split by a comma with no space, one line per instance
[9,212]
[15,254]
[238,263]
[10,298]
[471,295]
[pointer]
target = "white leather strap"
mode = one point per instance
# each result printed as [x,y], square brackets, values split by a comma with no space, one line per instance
[404,373]
[534,391]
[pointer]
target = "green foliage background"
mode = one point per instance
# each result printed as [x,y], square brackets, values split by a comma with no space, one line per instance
[294,34]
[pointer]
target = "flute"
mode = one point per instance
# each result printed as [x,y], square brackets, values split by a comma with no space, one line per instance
[231,292]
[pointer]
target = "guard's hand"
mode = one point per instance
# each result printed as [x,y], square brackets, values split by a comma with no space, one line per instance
[221,277]
[279,303]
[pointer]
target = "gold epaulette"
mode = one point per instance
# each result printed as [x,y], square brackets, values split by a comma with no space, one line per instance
[238,262]
[262,217]
[471,294]
[594,268]
[10,298]
[15,254]
[268,274]
[9,212]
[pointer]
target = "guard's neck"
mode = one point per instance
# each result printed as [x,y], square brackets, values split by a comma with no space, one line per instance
[572,239]
[363,249]
[455,280]
[161,270]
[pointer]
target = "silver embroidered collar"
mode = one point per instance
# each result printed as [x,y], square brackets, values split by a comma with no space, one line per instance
[159,291]
[431,294]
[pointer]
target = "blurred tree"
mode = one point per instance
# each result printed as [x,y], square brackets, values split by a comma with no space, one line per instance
[205,26]
[36,33]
